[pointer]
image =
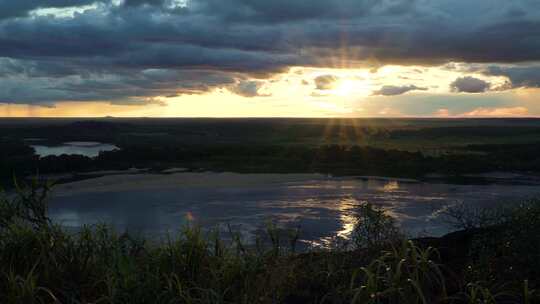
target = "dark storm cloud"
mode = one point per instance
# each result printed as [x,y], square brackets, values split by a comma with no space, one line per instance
[113,44]
[519,76]
[143,2]
[286,11]
[390,90]
[131,36]
[32,68]
[325,82]
[469,84]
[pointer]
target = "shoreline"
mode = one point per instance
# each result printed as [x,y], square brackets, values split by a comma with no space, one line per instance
[102,177]
[150,181]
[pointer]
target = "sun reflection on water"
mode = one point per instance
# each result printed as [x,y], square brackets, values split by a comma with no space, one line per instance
[346,208]
[347,216]
[390,186]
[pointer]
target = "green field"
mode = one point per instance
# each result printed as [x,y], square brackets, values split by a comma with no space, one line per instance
[390,147]
[409,134]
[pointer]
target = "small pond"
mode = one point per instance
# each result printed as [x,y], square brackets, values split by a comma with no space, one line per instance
[84,148]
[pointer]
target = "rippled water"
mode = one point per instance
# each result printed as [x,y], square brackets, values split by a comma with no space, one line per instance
[89,149]
[322,209]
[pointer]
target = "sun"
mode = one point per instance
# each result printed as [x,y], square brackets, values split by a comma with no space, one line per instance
[350,87]
[345,87]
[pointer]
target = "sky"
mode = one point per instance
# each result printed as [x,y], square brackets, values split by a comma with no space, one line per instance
[262,58]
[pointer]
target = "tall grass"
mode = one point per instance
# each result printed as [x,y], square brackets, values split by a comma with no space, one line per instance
[42,263]
[406,274]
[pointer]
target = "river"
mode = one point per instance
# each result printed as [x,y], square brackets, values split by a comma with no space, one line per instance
[322,207]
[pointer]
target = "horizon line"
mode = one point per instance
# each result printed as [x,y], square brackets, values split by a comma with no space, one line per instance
[268,117]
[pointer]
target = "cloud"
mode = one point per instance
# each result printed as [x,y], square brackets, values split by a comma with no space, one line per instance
[238,39]
[469,84]
[12,9]
[390,90]
[485,112]
[247,88]
[28,87]
[442,113]
[497,112]
[325,82]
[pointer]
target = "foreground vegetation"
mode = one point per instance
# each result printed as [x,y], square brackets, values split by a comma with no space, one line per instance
[495,260]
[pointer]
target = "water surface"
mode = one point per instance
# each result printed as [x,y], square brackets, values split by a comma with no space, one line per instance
[323,208]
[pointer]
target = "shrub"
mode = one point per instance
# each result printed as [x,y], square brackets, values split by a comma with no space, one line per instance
[374,229]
